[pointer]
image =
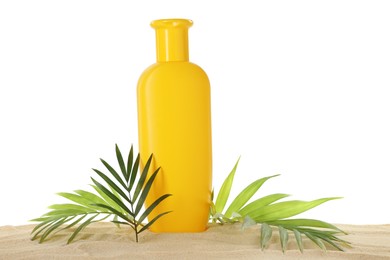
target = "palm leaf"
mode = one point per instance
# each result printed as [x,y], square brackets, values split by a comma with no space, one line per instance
[298,238]
[75,222]
[152,206]
[224,192]
[110,200]
[134,171]
[112,185]
[142,179]
[120,222]
[43,221]
[68,209]
[121,163]
[145,192]
[153,220]
[116,212]
[113,197]
[245,195]
[316,240]
[264,201]
[51,228]
[129,165]
[81,227]
[328,233]
[42,226]
[90,197]
[285,209]
[81,200]
[304,223]
[267,211]
[329,241]
[309,227]
[114,173]
[65,212]
[107,199]
[265,235]
[247,222]
[283,234]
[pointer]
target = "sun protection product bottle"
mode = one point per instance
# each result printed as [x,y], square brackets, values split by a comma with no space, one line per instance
[174,124]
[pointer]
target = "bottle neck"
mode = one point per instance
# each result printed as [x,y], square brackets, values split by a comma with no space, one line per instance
[172,39]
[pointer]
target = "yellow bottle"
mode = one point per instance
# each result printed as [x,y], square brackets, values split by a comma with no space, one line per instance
[174,124]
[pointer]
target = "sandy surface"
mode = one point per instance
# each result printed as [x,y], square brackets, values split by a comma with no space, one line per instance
[106,241]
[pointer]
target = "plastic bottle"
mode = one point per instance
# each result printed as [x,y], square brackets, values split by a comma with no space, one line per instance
[174,124]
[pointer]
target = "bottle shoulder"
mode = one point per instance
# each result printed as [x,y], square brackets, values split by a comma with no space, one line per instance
[174,73]
[175,67]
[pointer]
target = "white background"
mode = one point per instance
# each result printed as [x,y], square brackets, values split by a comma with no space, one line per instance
[299,88]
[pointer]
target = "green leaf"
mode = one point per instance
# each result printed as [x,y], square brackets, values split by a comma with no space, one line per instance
[218,216]
[153,220]
[235,215]
[212,209]
[112,196]
[107,200]
[70,207]
[65,212]
[115,193]
[285,209]
[84,201]
[245,195]
[298,238]
[142,179]
[152,206]
[121,163]
[81,227]
[145,192]
[92,198]
[116,219]
[329,233]
[324,234]
[224,192]
[304,223]
[52,227]
[134,172]
[265,235]
[129,165]
[116,212]
[283,238]
[120,223]
[112,185]
[76,221]
[80,219]
[329,241]
[42,226]
[43,218]
[264,201]
[113,173]
[43,222]
[315,239]
[248,222]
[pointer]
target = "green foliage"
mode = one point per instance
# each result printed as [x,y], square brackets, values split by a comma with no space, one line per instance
[120,198]
[270,213]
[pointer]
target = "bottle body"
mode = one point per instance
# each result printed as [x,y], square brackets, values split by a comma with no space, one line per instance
[174,122]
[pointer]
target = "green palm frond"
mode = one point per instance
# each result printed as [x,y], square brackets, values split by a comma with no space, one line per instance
[270,212]
[119,196]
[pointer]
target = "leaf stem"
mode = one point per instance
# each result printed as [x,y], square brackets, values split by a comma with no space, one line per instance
[135,222]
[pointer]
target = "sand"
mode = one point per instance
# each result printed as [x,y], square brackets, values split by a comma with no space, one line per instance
[106,241]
